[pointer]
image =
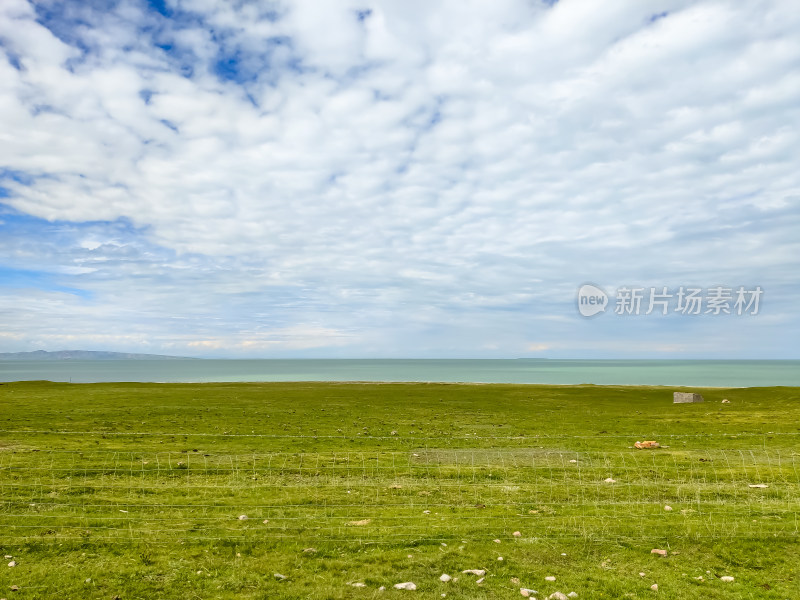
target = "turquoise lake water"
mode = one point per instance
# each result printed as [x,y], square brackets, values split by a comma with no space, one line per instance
[711,373]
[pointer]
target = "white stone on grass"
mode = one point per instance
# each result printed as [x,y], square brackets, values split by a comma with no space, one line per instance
[726,578]
[406,585]
[445,577]
[549,578]
[478,572]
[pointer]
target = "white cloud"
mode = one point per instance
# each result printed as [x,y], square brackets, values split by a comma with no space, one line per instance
[423,176]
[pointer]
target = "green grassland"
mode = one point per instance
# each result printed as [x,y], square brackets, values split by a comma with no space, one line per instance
[136,490]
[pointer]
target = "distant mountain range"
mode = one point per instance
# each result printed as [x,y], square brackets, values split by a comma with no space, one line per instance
[84,355]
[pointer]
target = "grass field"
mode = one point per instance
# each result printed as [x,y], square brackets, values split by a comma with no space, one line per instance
[136,491]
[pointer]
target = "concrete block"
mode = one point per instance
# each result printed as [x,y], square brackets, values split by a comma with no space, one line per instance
[684,397]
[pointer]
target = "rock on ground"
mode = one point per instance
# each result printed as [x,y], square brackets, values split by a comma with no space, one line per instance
[527,592]
[654,587]
[557,596]
[658,551]
[726,578]
[517,534]
[549,578]
[279,577]
[406,585]
[444,577]
[478,572]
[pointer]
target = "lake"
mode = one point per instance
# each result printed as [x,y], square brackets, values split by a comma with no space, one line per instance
[711,373]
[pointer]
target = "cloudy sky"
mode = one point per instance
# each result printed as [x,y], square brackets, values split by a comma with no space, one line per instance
[397,178]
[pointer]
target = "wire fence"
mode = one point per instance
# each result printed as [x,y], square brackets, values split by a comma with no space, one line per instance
[397,496]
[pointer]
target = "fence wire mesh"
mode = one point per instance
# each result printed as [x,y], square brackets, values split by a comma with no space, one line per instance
[397,496]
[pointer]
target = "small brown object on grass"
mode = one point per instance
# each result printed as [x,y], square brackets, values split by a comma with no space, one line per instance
[647,444]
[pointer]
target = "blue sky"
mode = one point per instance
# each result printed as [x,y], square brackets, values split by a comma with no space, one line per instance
[398,178]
